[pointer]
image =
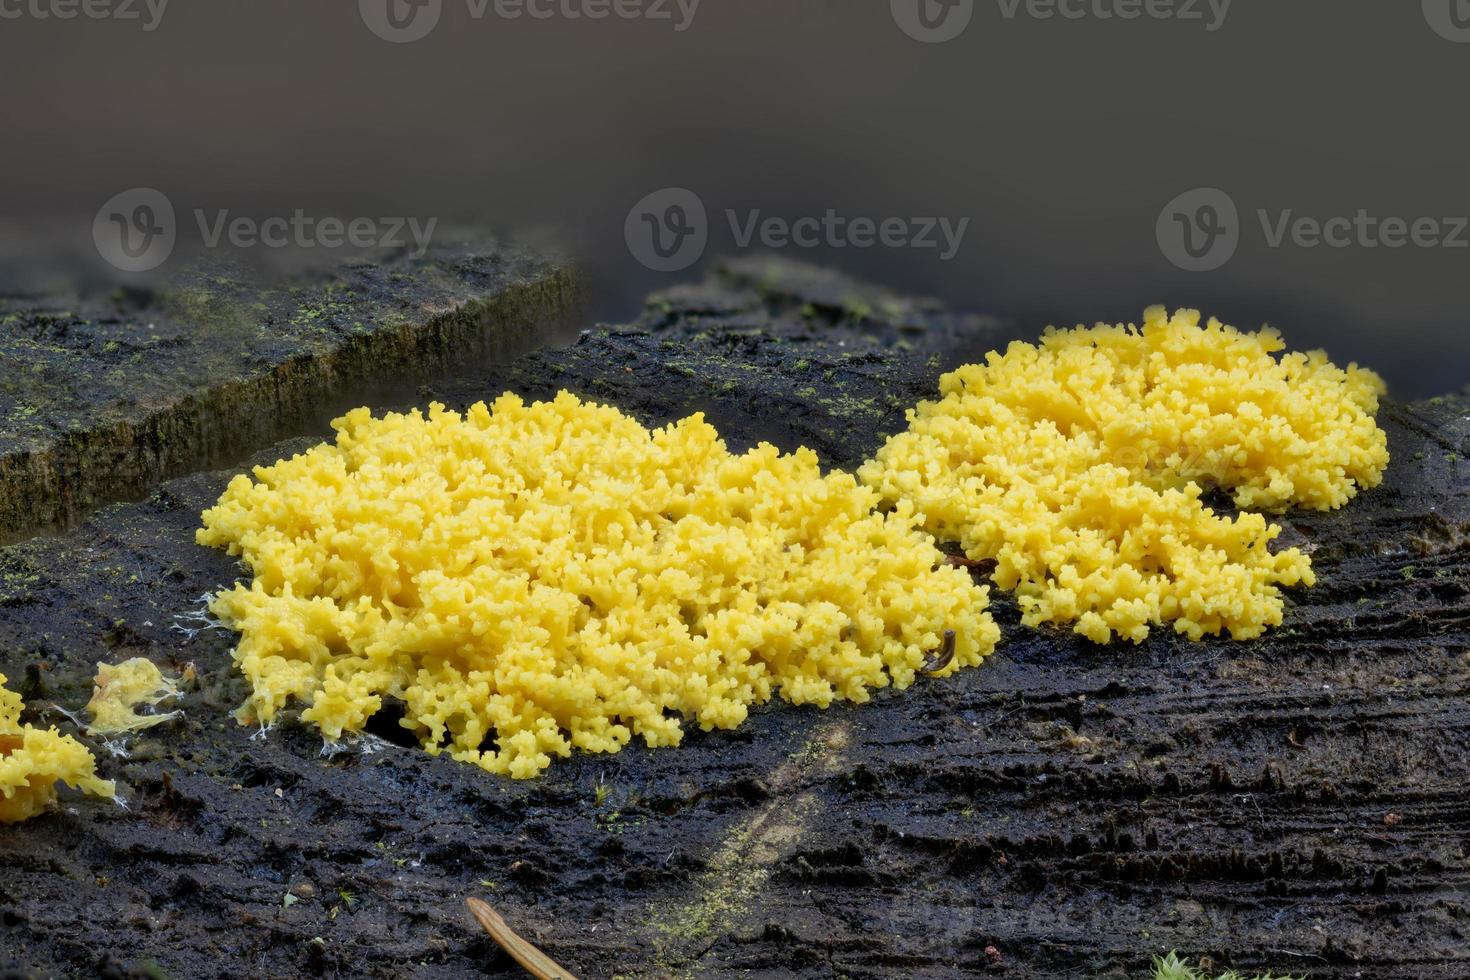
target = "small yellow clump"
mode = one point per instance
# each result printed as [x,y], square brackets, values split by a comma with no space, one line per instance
[120,690]
[555,575]
[1078,465]
[34,760]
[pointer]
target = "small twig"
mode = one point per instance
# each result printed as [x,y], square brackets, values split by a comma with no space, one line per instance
[1292,952]
[941,659]
[535,962]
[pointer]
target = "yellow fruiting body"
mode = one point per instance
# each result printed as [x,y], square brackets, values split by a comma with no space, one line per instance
[1078,465]
[120,690]
[33,760]
[532,578]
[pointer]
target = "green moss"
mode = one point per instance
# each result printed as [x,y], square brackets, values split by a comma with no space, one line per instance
[1171,967]
[105,403]
[311,314]
[730,887]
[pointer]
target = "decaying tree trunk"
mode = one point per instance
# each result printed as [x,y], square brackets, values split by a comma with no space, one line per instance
[1298,803]
[102,399]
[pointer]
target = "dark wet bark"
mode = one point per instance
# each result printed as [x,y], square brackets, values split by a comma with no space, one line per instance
[100,399]
[1299,802]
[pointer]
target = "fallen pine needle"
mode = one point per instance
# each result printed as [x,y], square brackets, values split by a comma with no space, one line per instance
[535,962]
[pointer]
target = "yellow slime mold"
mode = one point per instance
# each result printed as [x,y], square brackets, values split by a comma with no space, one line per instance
[34,760]
[532,578]
[1078,465]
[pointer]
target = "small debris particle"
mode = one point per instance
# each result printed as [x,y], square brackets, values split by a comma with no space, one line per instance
[944,657]
[1077,743]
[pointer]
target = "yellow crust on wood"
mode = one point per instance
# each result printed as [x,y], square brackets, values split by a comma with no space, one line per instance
[34,760]
[1078,464]
[532,578]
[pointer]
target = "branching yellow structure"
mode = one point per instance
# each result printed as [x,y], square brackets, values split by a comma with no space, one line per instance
[532,578]
[1078,465]
[33,760]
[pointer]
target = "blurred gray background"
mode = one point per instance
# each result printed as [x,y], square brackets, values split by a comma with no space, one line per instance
[1060,139]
